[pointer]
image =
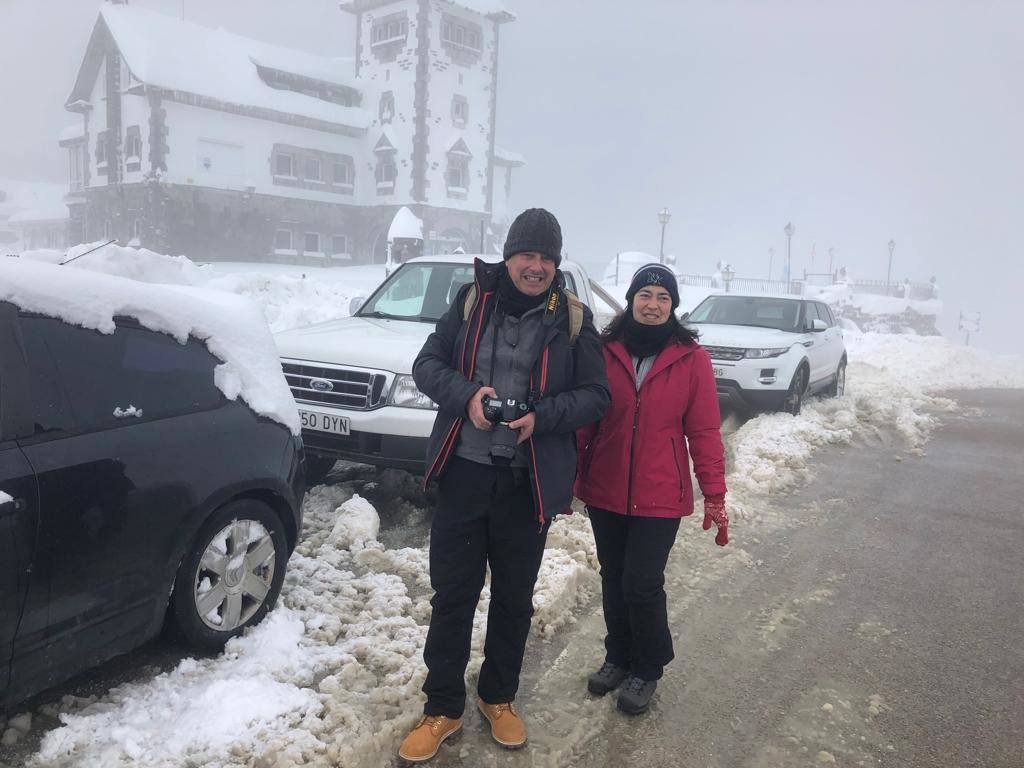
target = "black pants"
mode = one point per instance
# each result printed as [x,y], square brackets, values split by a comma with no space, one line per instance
[484,516]
[633,552]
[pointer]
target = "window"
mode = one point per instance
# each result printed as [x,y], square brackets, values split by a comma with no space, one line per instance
[386,111]
[106,229]
[133,142]
[386,172]
[343,173]
[283,165]
[101,148]
[458,172]
[133,367]
[312,242]
[137,229]
[339,245]
[462,33]
[312,169]
[388,30]
[460,110]
[75,168]
[283,240]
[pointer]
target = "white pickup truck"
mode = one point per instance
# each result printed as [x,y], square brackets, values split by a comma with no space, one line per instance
[352,378]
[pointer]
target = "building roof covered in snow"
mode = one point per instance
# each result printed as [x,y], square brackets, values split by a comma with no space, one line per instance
[492,9]
[406,225]
[508,158]
[175,55]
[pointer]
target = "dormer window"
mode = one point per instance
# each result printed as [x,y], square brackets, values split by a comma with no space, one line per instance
[457,171]
[386,171]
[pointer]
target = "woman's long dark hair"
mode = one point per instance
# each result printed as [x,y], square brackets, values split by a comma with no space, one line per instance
[613,331]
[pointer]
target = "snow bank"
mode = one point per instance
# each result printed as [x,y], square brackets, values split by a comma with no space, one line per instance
[233,329]
[331,677]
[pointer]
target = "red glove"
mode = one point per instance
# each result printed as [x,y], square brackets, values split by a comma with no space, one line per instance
[714,510]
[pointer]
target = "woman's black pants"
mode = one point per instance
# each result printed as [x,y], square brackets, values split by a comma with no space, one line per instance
[633,552]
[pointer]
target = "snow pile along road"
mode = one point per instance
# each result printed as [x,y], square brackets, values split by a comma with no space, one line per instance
[332,677]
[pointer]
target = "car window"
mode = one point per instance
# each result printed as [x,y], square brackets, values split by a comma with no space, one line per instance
[418,291]
[762,312]
[811,314]
[102,375]
[825,313]
[570,284]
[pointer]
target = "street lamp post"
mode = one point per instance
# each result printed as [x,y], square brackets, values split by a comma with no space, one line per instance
[790,230]
[771,258]
[888,274]
[831,255]
[663,217]
[727,276]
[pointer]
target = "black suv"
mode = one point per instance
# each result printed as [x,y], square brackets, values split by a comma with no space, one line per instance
[132,492]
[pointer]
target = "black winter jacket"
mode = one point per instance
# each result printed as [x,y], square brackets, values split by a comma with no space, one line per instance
[569,386]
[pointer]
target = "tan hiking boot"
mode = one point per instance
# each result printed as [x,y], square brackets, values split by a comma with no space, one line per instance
[506,727]
[425,739]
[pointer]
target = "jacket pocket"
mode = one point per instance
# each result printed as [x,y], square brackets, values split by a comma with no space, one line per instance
[589,458]
[679,471]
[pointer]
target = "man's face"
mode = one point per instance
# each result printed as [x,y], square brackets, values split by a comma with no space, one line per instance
[531,272]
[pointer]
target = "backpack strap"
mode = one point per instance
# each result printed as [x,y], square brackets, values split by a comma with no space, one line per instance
[467,308]
[575,307]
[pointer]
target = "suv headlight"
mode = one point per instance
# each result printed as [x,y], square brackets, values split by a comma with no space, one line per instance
[405,395]
[761,354]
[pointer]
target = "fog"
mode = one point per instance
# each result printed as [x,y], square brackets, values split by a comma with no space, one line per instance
[858,122]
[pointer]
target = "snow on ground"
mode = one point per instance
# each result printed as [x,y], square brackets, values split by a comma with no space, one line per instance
[332,677]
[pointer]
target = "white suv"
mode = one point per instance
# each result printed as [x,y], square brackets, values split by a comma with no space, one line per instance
[352,378]
[770,352]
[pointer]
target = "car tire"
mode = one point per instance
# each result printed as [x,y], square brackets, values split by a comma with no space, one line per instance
[838,387]
[795,394]
[214,597]
[317,468]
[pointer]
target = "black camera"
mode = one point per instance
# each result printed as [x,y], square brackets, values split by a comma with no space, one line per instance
[499,410]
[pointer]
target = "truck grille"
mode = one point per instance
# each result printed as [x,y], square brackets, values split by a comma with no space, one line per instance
[725,353]
[355,389]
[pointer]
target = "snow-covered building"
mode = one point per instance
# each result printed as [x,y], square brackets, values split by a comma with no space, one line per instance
[32,215]
[201,141]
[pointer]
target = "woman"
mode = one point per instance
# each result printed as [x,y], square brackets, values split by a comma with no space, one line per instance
[634,477]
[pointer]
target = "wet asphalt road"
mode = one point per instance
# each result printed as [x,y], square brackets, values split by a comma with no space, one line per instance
[883,627]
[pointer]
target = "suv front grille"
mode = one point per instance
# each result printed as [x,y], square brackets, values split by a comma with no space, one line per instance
[357,390]
[725,353]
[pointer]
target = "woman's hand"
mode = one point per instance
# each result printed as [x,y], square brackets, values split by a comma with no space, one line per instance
[714,510]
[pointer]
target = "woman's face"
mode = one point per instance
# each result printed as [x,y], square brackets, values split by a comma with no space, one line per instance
[652,305]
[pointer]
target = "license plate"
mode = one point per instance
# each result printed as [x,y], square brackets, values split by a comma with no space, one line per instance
[325,422]
[719,372]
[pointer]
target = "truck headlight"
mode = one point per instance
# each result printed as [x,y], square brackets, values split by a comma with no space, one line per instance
[404,394]
[760,354]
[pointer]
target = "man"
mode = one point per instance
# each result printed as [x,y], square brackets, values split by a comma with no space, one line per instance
[516,336]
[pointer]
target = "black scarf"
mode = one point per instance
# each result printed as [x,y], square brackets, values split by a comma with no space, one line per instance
[645,340]
[513,301]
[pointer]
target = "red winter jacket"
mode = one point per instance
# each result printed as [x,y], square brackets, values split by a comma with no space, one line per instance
[635,459]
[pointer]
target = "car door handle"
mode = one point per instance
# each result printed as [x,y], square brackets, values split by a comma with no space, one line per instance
[11,507]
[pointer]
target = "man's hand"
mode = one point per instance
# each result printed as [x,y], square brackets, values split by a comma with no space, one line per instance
[525,426]
[475,410]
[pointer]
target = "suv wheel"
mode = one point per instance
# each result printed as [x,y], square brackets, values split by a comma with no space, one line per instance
[231,576]
[838,387]
[795,396]
[317,468]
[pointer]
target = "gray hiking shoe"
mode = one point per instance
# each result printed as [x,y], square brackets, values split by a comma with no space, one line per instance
[635,696]
[606,679]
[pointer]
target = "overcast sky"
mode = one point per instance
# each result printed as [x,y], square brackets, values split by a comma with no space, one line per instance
[859,122]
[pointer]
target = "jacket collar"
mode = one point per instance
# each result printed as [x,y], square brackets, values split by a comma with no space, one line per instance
[673,351]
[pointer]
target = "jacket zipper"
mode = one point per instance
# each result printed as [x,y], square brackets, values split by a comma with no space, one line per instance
[632,445]
[679,471]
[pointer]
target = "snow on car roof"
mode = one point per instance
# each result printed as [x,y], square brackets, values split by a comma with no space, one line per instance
[232,327]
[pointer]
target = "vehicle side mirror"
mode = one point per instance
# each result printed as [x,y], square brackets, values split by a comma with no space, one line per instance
[817,324]
[684,315]
[355,304]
